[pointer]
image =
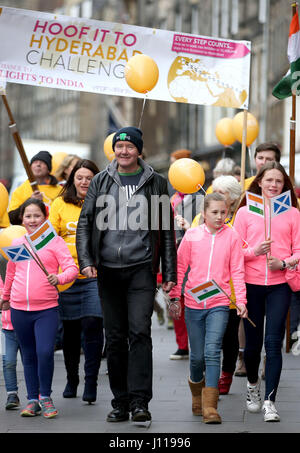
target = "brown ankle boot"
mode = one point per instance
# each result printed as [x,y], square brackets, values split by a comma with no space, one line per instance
[209,405]
[196,390]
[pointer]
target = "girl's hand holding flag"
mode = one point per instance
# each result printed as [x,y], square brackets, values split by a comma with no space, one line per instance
[263,248]
[52,279]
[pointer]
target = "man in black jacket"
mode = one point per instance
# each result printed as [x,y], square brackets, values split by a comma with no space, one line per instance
[125,231]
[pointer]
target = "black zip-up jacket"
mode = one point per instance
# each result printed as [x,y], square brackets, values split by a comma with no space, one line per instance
[90,224]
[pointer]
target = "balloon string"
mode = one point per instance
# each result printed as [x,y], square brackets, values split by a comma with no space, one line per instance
[200,187]
[144,102]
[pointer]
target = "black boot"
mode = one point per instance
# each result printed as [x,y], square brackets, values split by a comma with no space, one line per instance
[71,387]
[90,391]
[93,344]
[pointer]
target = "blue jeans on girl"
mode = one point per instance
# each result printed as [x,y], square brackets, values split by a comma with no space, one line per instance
[10,348]
[206,328]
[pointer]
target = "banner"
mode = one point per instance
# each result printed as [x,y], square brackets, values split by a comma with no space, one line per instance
[49,50]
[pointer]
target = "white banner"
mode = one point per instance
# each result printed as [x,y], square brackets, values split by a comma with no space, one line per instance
[49,50]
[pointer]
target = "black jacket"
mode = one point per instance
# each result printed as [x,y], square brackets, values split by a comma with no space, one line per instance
[89,231]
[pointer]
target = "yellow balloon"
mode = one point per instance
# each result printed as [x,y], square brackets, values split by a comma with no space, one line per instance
[57,159]
[252,127]
[3,200]
[141,73]
[224,131]
[107,147]
[186,175]
[7,235]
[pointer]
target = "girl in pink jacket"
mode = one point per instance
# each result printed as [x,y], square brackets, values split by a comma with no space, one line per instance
[32,299]
[268,294]
[209,251]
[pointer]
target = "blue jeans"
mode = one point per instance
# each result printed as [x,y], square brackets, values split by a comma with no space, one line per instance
[206,328]
[9,359]
[270,302]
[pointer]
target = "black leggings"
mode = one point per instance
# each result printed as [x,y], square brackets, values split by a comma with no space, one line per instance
[231,342]
[92,329]
[273,303]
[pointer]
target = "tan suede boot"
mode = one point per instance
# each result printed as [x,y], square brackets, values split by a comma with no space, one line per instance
[196,390]
[209,405]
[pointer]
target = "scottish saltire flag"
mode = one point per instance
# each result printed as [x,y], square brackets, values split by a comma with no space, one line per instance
[17,253]
[42,236]
[281,203]
[204,291]
[255,203]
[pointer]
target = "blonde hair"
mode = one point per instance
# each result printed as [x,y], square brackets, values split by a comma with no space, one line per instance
[66,162]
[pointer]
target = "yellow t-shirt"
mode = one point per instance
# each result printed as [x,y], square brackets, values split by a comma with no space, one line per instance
[248,182]
[64,218]
[24,191]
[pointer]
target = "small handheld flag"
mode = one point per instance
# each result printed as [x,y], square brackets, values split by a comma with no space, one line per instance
[255,204]
[201,293]
[281,203]
[17,253]
[42,236]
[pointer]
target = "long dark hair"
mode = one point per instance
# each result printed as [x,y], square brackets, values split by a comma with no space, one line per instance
[255,188]
[39,203]
[68,192]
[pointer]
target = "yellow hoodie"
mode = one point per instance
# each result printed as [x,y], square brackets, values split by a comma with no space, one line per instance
[24,191]
[64,218]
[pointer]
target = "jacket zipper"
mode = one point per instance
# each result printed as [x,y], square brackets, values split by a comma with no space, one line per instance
[27,285]
[210,260]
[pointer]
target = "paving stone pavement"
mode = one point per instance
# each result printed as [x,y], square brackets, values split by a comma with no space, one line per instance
[170,406]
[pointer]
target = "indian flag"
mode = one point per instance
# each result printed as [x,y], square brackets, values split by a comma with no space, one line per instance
[289,82]
[42,236]
[255,203]
[204,291]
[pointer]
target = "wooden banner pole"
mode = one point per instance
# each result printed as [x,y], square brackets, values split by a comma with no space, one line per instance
[19,145]
[243,155]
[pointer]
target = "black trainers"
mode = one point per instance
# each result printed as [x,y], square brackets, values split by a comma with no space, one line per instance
[140,414]
[119,414]
[12,402]
[180,354]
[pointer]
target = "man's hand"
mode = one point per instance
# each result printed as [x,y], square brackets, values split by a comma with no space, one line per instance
[37,194]
[89,272]
[167,286]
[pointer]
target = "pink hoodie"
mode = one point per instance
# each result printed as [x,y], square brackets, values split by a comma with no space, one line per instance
[211,256]
[26,285]
[5,315]
[285,232]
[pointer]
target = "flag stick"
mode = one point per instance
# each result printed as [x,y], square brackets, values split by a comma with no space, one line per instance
[251,322]
[291,172]
[36,260]
[19,144]
[243,156]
